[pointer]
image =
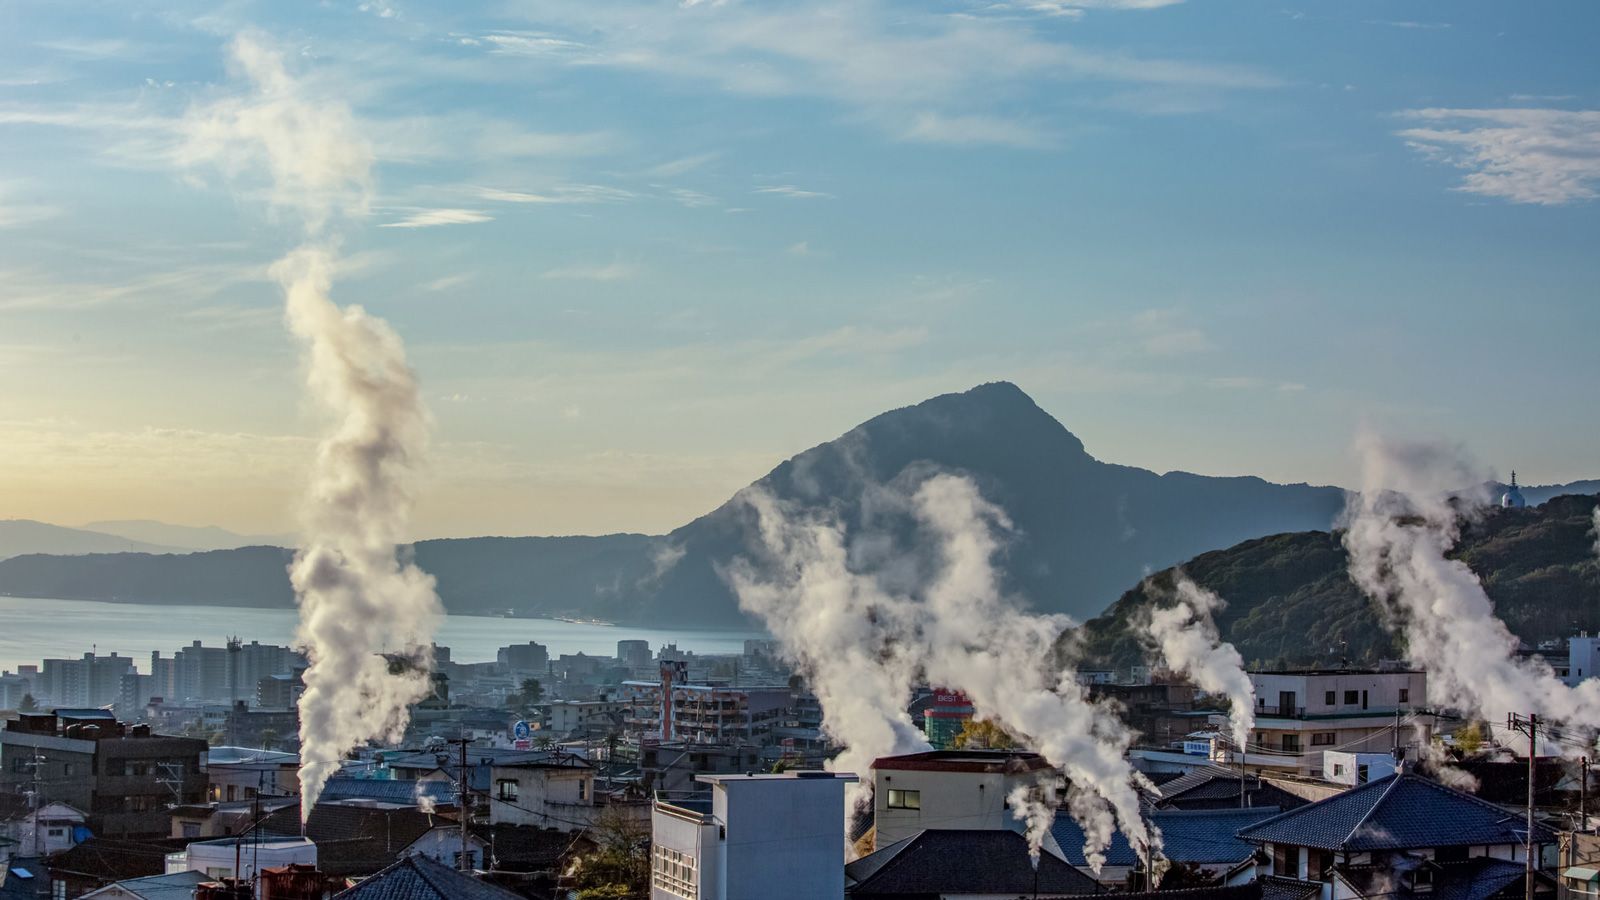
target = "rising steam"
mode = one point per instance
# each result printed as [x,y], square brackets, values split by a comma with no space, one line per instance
[1401,528]
[357,598]
[914,595]
[1185,636]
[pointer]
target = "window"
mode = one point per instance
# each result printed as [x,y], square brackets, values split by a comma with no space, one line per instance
[583,789]
[191,829]
[899,799]
[673,871]
[55,832]
[1329,697]
[507,789]
[1291,743]
[1405,695]
[1338,769]
[66,769]
[1351,698]
[1322,738]
[116,767]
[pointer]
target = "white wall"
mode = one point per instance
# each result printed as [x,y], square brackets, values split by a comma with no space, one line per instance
[966,800]
[560,798]
[696,838]
[784,836]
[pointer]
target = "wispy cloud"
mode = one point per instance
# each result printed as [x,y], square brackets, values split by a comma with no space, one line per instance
[430,218]
[561,193]
[792,192]
[1407,23]
[1166,332]
[615,271]
[937,128]
[1541,156]
[682,165]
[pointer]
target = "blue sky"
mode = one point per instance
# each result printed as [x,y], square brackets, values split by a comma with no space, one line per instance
[642,251]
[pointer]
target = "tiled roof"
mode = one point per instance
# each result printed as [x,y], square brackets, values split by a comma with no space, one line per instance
[389,790]
[1188,836]
[1479,878]
[525,848]
[108,860]
[1278,887]
[1213,787]
[160,887]
[1399,812]
[939,861]
[420,878]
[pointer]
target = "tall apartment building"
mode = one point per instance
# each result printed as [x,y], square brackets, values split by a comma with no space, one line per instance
[532,657]
[200,674]
[90,681]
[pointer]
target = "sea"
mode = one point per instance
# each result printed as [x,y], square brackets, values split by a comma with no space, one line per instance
[34,629]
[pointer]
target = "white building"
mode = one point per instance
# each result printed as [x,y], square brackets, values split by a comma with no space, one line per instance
[252,853]
[1583,655]
[568,716]
[1353,769]
[553,790]
[1300,715]
[959,789]
[54,829]
[769,836]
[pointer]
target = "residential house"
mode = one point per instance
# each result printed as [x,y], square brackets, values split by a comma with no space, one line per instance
[551,789]
[953,789]
[242,856]
[56,827]
[1399,836]
[240,773]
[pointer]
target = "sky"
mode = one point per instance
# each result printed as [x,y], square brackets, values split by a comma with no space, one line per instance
[641,252]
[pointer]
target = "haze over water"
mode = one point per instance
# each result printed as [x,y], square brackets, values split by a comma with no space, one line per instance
[35,629]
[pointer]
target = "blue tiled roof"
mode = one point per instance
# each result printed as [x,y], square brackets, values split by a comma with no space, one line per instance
[1400,812]
[389,790]
[1197,836]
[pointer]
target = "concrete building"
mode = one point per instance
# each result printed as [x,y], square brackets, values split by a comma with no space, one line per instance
[240,773]
[729,843]
[1583,655]
[1342,767]
[706,713]
[14,687]
[124,778]
[226,674]
[953,789]
[548,790]
[532,658]
[586,716]
[1302,714]
[90,681]
[944,718]
[634,654]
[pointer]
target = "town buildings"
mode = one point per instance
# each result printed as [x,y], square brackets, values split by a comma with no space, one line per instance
[1301,714]
[123,777]
[964,789]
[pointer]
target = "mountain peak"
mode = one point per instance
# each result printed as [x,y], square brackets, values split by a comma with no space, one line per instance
[990,409]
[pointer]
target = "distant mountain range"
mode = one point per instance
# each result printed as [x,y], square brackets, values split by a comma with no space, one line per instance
[1085,529]
[189,537]
[22,536]
[1291,601]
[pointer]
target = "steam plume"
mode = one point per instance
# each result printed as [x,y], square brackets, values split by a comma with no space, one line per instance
[916,594]
[356,597]
[1187,639]
[1400,529]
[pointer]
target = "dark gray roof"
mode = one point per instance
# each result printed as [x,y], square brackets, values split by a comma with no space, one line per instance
[1278,887]
[389,790]
[420,878]
[1197,836]
[1213,787]
[1400,812]
[940,861]
[1479,878]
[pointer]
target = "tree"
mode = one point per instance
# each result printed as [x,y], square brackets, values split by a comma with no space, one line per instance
[619,866]
[525,700]
[1469,738]
[28,704]
[983,734]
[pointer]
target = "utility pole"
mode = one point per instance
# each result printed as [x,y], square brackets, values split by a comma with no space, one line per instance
[1530,727]
[1583,796]
[464,863]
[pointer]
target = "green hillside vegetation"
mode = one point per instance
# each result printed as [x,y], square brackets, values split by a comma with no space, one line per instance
[1291,602]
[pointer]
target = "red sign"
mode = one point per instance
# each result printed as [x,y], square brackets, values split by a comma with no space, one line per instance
[951,698]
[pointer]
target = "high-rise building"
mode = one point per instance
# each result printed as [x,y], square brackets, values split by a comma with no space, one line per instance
[90,681]
[530,657]
[634,654]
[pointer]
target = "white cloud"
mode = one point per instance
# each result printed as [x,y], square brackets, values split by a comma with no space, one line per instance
[561,193]
[1165,332]
[799,248]
[429,218]
[682,165]
[792,192]
[936,128]
[616,271]
[1543,156]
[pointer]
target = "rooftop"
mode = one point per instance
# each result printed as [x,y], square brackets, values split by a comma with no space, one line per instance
[420,878]
[980,761]
[1400,812]
[1188,836]
[938,862]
